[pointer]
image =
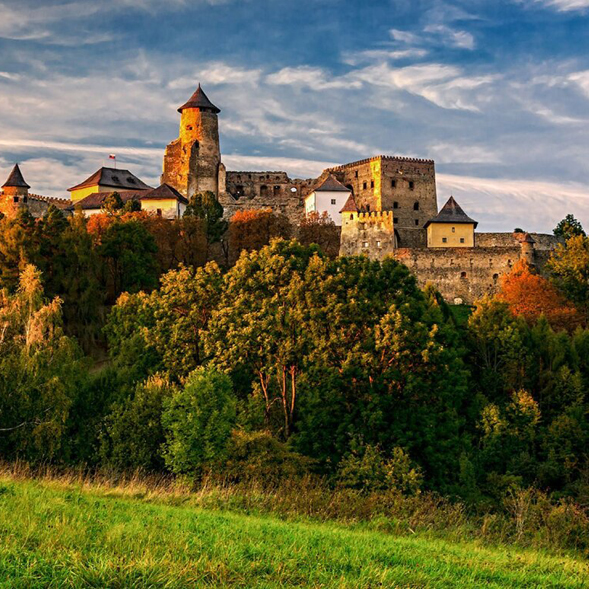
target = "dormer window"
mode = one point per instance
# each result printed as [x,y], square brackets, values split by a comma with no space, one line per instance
[131,180]
[115,179]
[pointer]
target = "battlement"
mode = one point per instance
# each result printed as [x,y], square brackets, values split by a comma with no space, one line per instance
[371,216]
[395,158]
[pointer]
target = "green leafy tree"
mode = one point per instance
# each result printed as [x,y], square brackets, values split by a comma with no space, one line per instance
[206,207]
[198,421]
[41,372]
[112,204]
[128,251]
[569,267]
[134,435]
[569,227]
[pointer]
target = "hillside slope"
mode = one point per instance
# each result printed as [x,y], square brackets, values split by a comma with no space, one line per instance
[64,537]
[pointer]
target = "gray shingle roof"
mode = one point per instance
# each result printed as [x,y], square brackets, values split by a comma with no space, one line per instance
[164,191]
[331,184]
[113,178]
[200,100]
[451,212]
[15,180]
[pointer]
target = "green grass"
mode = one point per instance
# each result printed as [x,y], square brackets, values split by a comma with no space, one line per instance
[54,535]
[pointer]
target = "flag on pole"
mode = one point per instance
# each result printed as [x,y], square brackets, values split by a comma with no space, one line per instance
[112,156]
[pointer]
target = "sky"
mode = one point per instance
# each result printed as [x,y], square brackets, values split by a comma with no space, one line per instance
[495,91]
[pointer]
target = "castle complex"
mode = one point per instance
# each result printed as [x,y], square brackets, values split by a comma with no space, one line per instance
[385,206]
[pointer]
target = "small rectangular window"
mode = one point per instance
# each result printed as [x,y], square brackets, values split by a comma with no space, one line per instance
[396,220]
[395,205]
[393,184]
[378,244]
[356,173]
[159,212]
[333,201]
[462,240]
[444,240]
[365,244]
[371,183]
[417,221]
[364,185]
[411,185]
[453,229]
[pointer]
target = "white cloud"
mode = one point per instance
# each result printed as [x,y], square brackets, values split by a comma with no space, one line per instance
[219,73]
[405,37]
[454,153]
[565,5]
[311,77]
[451,37]
[373,55]
[502,204]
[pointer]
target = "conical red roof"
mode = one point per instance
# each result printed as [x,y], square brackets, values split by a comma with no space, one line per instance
[350,206]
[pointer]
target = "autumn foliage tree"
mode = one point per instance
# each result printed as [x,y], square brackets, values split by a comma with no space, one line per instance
[320,229]
[531,296]
[251,230]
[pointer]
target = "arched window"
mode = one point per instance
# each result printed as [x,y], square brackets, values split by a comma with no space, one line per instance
[263,191]
[463,275]
[276,190]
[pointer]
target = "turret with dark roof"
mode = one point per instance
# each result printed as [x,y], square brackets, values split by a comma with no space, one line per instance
[201,101]
[15,180]
[451,213]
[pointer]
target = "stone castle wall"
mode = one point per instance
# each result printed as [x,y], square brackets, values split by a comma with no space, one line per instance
[460,274]
[370,233]
[261,190]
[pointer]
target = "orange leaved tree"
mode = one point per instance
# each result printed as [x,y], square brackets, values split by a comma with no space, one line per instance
[530,295]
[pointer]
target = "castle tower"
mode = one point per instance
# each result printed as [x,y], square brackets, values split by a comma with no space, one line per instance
[193,161]
[15,192]
[526,243]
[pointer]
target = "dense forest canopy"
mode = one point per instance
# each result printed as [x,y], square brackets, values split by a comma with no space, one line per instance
[198,347]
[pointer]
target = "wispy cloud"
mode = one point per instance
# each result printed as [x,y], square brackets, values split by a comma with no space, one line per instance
[565,5]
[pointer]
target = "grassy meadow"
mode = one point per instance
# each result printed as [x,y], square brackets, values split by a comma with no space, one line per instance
[63,534]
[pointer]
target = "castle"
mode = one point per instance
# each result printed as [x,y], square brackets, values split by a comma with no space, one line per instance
[385,206]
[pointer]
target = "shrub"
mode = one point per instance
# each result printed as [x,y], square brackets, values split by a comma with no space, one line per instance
[134,434]
[367,468]
[198,421]
[260,457]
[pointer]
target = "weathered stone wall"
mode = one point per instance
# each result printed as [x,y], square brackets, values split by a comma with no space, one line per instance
[460,273]
[260,190]
[371,234]
[36,204]
[543,241]
[192,162]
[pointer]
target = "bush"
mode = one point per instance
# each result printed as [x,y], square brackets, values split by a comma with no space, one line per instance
[367,468]
[258,456]
[198,421]
[134,435]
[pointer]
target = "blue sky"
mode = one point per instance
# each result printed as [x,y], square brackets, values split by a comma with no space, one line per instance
[497,92]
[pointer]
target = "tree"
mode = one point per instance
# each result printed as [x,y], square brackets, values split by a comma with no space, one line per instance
[41,372]
[128,251]
[321,230]
[532,296]
[569,268]
[253,229]
[134,435]
[131,206]
[198,421]
[112,204]
[569,227]
[206,207]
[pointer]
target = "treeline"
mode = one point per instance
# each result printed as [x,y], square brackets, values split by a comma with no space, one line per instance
[88,263]
[288,362]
